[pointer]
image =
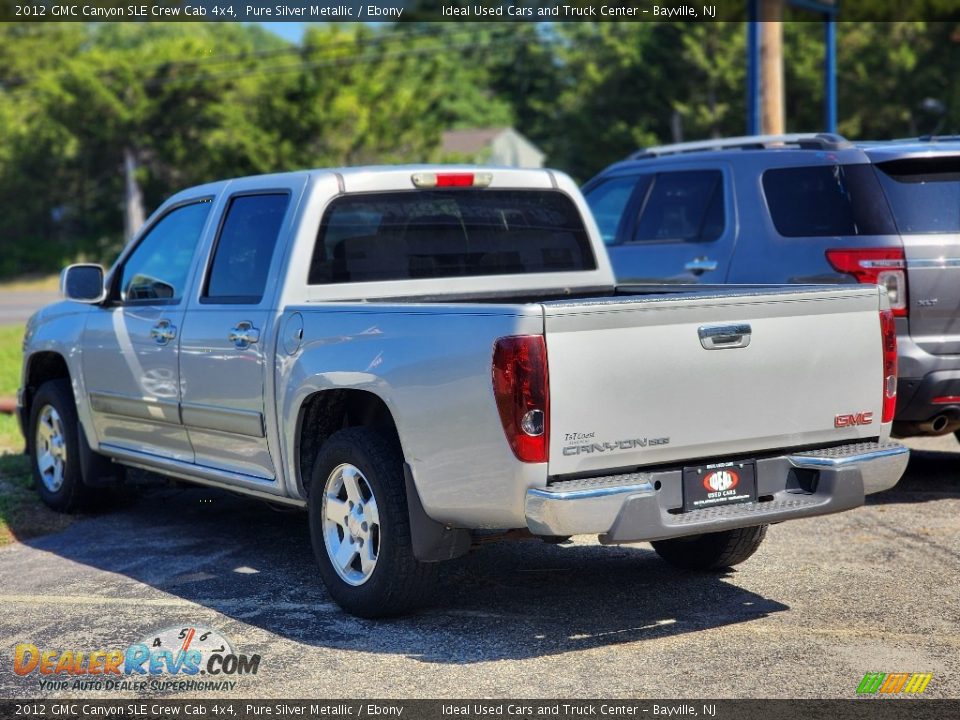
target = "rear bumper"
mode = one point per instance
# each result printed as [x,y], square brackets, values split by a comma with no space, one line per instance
[645,506]
[924,377]
[937,393]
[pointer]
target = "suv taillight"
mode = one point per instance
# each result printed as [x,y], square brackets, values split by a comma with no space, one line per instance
[876,266]
[522,393]
[888,336]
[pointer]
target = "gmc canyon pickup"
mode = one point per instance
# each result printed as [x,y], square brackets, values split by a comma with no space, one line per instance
[423,356]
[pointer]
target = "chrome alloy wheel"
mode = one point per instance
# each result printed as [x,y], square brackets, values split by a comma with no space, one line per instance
[351,524]
[50,448]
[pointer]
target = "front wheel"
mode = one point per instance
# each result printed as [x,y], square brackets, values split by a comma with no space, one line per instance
[53,440]
[713,551]
[360,526]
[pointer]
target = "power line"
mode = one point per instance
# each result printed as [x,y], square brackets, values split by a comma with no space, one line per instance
[343,61]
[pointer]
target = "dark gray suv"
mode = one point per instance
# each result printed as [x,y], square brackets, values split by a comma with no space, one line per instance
[807,209]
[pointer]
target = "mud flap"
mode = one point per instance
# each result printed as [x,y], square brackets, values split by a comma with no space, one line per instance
[95,469]
[432,541]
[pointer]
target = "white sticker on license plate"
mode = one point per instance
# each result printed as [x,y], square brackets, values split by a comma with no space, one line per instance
[728,483]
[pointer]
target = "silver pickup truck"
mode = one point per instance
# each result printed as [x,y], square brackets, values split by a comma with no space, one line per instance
[424,356]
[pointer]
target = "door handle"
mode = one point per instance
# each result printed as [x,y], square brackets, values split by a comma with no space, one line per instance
[243,335]
[724,337]
[163,332]
[700,265]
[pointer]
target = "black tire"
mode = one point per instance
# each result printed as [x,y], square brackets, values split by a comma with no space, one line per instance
[397,583]
[62,490]
[713,551]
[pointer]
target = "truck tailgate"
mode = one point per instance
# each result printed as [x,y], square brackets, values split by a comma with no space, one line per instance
[633,383]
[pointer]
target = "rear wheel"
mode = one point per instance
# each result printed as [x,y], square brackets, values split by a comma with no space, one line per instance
[712,551]
[53,441]
[360,526]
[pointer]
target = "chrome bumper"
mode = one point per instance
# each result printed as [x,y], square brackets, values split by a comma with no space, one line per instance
[645,506]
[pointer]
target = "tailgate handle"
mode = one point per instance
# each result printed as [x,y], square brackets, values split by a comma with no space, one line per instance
[726,336]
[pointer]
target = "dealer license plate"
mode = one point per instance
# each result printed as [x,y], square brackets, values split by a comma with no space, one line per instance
[726,483]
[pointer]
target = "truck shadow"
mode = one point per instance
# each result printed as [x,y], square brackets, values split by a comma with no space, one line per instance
[231,556]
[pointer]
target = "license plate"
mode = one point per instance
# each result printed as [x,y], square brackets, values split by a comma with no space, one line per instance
[728,483]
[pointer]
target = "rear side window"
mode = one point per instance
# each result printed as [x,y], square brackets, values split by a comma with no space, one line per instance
[448,233]
[924,193]
[245,247]
[682,206]
[609,199]
[826,200]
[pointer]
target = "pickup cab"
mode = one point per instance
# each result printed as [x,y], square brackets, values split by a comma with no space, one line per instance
[423,356]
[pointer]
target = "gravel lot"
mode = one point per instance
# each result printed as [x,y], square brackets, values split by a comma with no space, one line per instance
[824,601]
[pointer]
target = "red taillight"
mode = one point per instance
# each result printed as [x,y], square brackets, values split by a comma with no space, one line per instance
[876,266]
[888,336]
[522,393]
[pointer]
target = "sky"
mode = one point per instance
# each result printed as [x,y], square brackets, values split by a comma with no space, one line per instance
[292,31]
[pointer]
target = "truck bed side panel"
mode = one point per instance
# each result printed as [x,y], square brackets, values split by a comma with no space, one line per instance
[431,365]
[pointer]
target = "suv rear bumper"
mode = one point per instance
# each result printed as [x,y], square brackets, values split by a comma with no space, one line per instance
[924,377]
[645,506]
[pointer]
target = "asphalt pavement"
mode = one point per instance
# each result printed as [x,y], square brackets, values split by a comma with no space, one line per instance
[824,601]
[17,306]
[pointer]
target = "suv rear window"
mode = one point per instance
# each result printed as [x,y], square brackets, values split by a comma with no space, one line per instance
[825,200]
[448,233]
[924,193]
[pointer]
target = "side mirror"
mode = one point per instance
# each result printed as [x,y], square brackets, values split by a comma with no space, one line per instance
[82,283]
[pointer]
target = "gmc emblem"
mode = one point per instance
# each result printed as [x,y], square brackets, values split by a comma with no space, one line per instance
[863,418]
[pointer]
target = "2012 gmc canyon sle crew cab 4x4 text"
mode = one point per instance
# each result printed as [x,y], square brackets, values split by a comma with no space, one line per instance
[420,354]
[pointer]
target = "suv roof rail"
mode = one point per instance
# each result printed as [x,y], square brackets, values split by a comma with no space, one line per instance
[803,141]
[938,138]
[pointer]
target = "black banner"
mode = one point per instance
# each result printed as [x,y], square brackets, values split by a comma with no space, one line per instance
[466,10]
[874,708]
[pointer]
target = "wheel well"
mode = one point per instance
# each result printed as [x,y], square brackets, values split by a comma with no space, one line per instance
[324,413]
[43,367]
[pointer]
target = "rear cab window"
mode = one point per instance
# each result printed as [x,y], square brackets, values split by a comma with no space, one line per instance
[826,200]
[382,236]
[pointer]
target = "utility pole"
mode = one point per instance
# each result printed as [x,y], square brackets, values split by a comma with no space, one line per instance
[766,112]
[771,64]
[133,215]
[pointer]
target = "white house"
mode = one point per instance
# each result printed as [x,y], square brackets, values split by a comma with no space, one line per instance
[491,146]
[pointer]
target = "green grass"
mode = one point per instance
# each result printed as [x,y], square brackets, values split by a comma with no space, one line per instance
[21,513]
[11,355]
[11,441]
